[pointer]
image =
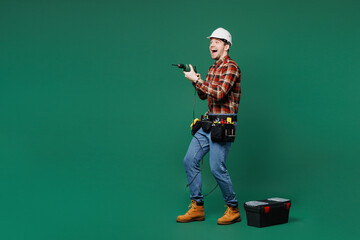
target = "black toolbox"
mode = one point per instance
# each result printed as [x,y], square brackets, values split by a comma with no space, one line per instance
[267,212]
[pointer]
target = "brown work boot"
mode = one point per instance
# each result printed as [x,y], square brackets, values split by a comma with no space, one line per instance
[231,215]
[195,213]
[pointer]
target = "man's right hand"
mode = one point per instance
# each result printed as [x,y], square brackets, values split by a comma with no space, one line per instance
[192,75]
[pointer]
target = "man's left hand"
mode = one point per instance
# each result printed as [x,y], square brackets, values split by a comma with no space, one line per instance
[192,75]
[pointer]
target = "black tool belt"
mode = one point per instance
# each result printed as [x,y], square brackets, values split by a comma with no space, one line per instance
[222,127]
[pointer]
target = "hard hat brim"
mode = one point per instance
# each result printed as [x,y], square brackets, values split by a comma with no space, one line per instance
[209,37]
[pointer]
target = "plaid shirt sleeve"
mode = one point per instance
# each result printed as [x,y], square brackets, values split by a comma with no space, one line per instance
[201,95]
[221,84]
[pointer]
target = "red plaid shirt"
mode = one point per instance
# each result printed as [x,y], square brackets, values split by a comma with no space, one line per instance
[222,87]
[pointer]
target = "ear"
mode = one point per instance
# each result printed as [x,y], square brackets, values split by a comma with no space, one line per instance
[227,46]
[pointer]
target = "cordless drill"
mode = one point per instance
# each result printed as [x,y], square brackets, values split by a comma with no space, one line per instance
[185,67]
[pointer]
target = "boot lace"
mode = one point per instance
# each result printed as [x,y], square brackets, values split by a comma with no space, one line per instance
[191,206]
[228,210]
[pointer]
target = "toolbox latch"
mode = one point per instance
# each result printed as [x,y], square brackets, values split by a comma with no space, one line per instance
[266,209]
[287,205]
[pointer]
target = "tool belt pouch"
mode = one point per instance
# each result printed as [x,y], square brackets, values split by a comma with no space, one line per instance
[206,125]
[222,132]
[195,127]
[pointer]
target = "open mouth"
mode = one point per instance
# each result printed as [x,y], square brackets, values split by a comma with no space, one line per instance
[214,51]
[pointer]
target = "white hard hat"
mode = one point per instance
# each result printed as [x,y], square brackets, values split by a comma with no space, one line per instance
[221,33]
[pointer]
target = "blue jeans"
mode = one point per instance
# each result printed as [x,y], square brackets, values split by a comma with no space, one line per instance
[218,154]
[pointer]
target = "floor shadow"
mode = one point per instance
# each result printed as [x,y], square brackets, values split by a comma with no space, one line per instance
[292,219]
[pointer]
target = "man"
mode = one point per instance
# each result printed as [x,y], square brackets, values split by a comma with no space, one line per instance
[222,90]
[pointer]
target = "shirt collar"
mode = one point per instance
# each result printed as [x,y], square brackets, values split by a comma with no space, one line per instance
[220,61]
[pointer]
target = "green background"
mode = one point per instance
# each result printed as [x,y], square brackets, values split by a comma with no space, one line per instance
[94,122]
